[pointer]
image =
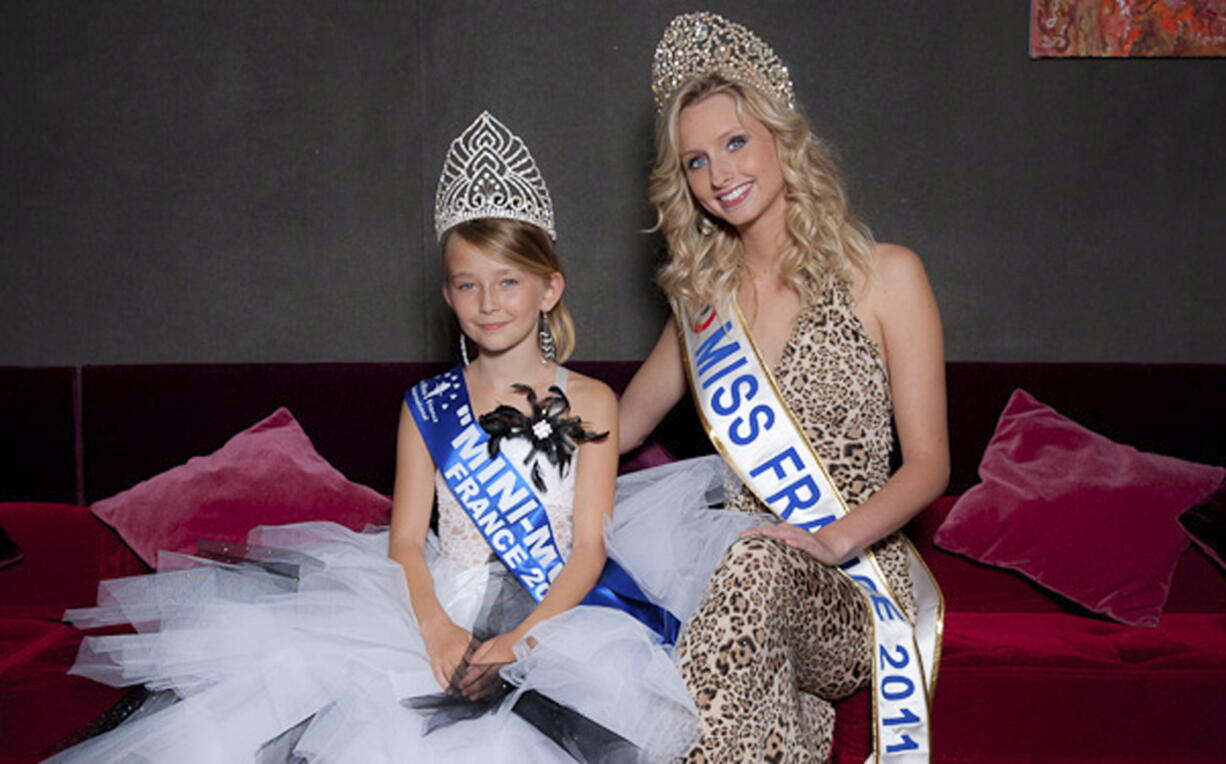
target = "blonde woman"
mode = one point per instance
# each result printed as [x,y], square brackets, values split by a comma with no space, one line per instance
[788,314]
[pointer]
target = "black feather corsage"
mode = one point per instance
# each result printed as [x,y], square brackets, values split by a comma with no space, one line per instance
[550,431]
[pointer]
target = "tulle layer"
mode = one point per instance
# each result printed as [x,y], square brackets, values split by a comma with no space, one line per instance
[307,649]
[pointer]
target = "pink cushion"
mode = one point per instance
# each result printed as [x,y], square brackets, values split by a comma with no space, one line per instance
[269,474]
[1082,515]
[970,585]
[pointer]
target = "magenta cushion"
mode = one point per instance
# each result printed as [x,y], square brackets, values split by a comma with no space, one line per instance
[1089,518]
[269,474]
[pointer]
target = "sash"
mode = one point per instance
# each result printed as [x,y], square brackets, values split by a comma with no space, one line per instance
[751,426]
[506,509]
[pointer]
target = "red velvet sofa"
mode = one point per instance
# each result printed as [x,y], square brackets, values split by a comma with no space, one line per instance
[1025,674]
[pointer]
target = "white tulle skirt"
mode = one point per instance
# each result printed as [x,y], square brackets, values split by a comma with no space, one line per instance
[308,655]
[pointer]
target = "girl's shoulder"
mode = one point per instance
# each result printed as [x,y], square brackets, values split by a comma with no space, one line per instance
[590,398]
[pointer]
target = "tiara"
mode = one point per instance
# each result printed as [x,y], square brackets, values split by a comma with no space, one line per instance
[707,43]
[489,173]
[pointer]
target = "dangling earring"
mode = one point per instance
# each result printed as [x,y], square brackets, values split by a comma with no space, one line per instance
[705,226]
[544,338]
[463,349]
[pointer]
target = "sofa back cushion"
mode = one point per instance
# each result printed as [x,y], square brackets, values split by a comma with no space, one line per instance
[1175,409]
[38,448]
[140,421]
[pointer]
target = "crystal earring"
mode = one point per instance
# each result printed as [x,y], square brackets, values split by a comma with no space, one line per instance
[463,349]
[544,338]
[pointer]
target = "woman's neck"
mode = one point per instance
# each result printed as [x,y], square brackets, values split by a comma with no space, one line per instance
[762,245]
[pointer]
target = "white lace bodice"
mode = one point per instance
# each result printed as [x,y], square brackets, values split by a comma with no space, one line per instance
[459,539]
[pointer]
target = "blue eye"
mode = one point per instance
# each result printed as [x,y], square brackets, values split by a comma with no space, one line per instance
[737,142]
[694,163]
[465,286]
[509,282]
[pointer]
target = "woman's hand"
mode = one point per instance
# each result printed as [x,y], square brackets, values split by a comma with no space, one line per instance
[448,646]
[824,546]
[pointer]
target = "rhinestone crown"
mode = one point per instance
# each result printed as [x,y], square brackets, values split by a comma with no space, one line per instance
[489,173]
[707,43]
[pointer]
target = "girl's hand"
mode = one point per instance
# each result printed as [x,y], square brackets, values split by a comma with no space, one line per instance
[500,649]
[447,645]
[823,546]
[482,674]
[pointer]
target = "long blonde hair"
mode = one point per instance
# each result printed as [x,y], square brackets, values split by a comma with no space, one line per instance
[530,249]
[826,238]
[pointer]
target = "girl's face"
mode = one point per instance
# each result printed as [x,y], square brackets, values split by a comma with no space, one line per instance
[730,163]
[497,304]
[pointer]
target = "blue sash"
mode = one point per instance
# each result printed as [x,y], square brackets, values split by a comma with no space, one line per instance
[506,509]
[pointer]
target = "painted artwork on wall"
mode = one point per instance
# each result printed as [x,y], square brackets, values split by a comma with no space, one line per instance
[1127,28]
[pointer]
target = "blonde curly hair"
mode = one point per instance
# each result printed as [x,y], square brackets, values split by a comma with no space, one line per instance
[706,263]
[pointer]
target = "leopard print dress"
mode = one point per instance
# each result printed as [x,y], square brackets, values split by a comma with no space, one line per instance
[778,635]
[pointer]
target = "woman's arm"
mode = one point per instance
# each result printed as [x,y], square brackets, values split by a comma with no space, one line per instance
[901,302]
[657,386]
[412,502]
[595,484]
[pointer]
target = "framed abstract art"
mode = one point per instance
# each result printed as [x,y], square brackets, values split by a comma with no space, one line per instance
[1127,28]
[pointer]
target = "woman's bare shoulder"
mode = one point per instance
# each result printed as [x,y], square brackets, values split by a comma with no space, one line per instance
[895,270]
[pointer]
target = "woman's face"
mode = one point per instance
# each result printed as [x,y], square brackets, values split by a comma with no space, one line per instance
[731,163]
[497,304]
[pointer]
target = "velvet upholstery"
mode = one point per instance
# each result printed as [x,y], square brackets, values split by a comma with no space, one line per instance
[1090,689]
[1176,409]
[268,474]
[1197,586]
[1049,489]
[1021,667]
[40,705]
[1206,525]
[66,553]
[38,460]
[140,421]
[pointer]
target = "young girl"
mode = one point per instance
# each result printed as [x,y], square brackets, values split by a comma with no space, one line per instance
[487,654]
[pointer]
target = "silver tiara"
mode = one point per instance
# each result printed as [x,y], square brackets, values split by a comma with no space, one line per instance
[706,43]
[489,173]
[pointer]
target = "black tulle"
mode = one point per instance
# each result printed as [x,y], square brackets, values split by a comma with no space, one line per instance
[505,605]
[550,431]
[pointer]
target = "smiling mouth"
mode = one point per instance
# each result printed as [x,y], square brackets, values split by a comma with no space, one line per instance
[736,195]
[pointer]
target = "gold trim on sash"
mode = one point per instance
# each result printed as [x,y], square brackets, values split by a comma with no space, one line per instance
[929,602]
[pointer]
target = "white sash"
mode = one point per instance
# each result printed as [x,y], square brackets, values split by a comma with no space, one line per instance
[751,426]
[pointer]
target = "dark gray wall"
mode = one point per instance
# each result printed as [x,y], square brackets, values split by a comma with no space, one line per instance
[253,181]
